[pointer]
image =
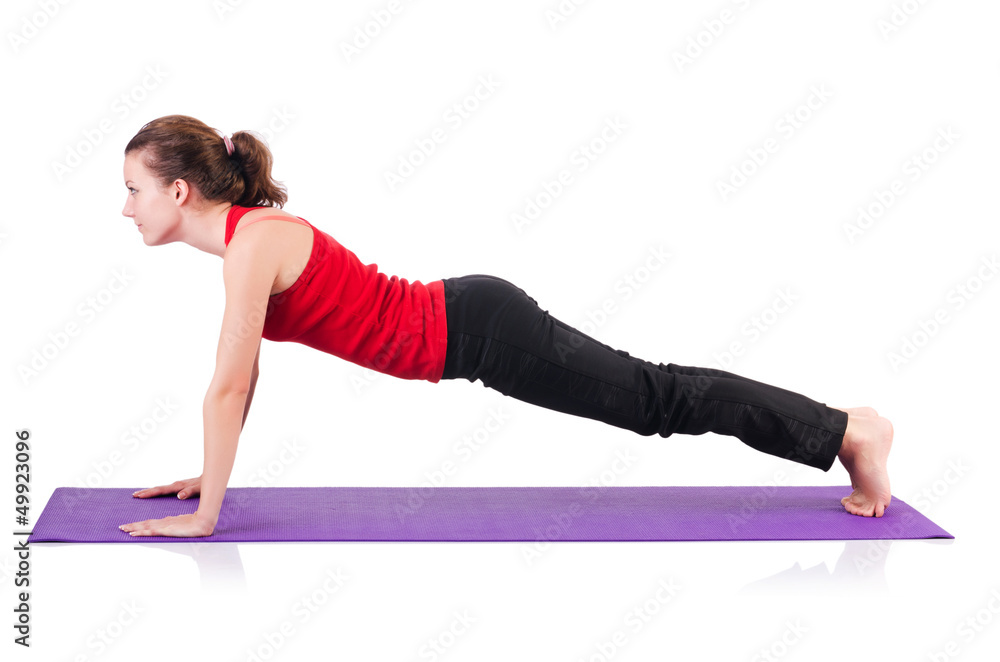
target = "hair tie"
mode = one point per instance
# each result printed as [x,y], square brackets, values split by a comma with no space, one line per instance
[229,145]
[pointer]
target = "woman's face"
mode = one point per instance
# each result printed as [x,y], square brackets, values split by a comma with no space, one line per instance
[151,209]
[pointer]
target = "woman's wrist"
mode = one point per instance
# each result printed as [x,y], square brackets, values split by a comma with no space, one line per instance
[208,519]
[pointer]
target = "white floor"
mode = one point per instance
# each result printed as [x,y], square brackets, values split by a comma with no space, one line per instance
[802,193]
[482,601]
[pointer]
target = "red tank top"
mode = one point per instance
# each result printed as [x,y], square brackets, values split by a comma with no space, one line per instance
[350,310]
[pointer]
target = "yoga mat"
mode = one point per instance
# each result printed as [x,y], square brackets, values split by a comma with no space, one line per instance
[277,514]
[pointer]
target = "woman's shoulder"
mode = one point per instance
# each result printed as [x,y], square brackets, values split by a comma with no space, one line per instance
[251,215]
[279,248]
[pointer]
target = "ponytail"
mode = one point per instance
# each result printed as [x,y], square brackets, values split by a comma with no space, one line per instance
[181,147]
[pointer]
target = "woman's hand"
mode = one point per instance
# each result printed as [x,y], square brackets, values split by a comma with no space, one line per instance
[184,489]
[177,526]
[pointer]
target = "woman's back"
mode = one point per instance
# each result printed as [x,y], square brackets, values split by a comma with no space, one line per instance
[340,306]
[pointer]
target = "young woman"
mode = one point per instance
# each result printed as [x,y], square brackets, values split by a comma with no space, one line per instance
[287,280]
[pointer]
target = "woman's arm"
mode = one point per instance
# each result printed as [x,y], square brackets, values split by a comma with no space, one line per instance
[248,280]
[185,489]
[221,410]
[249,270]
[253,384]
[221,442]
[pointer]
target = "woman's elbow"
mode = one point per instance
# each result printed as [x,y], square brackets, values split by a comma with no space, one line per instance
[232,386]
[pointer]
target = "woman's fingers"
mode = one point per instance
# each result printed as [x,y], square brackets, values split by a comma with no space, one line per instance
[153,491]
[182,488]
[189,488]
[149,527]
[137,528]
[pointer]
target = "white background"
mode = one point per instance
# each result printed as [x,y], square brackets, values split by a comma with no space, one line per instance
[78,87]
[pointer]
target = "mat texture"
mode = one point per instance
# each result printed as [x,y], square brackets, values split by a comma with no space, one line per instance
[274,514]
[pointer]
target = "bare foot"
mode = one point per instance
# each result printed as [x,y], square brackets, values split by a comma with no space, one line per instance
[857,411]
[864,454]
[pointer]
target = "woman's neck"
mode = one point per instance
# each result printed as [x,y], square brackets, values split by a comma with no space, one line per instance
[206,229]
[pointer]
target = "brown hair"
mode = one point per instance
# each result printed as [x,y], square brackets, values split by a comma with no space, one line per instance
[181,147]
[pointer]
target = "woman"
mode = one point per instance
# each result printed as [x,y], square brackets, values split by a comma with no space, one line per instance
[287,280]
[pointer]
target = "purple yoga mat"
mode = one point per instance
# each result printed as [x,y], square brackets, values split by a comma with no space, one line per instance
[276,514]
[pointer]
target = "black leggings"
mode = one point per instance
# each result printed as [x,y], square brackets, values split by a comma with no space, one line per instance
[498,334]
